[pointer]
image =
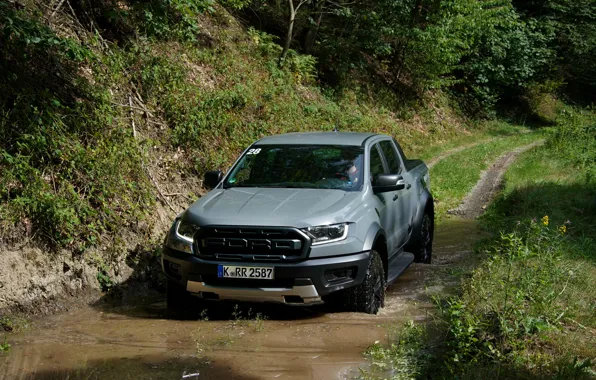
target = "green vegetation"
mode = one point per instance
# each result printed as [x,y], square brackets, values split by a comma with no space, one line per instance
[528,309]
[103,101]
[503,53]
[4,347]
[407,356]
[94,119]
[455,176]
[13,323]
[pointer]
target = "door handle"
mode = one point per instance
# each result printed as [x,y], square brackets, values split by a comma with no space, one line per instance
[395,197]
[408,186]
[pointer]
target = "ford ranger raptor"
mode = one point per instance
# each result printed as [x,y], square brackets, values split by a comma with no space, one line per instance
[303,219]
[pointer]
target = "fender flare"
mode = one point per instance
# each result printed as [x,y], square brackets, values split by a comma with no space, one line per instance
[426,201]
[376,232]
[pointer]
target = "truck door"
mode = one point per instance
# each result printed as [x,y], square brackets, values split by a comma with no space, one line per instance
[401,200]
[383,201]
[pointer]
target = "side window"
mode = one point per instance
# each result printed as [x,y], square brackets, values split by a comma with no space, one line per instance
[401,151]
[376,163]
[391,156]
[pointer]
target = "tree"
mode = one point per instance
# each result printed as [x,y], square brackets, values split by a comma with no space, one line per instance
[293,10]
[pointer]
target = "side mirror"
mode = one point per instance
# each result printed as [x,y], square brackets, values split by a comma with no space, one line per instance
[212,179]
[388,182]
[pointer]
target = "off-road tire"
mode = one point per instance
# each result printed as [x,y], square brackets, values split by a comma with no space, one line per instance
[423,250]
[369,296]
[177,297]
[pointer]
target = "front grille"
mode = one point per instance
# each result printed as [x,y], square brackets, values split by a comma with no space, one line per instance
[248,283]
[259,244]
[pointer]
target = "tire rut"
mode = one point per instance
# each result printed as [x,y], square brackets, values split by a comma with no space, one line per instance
[491,181]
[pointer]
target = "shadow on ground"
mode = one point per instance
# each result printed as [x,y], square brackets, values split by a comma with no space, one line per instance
[573,204]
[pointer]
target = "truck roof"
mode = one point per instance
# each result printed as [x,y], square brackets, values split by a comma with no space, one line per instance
[317,138]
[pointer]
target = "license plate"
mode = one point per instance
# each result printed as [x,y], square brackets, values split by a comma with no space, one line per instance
[232,271]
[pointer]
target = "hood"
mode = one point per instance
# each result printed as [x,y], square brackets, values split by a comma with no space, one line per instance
[273,206]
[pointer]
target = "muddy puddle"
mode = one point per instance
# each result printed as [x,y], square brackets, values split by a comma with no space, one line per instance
[231,342]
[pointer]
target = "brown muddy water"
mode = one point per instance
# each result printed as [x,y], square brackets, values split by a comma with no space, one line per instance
[228,342]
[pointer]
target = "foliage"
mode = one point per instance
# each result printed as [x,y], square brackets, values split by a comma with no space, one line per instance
[507,57]
[406,357]
[4,347]
[574,23]
[61,172]
[528,308]
[575,140]
[525,291]
[71,171]
[486,52]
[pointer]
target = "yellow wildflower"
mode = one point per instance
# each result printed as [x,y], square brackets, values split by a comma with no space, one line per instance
[545,220]
[563,230]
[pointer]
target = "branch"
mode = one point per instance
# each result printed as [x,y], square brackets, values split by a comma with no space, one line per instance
[301,3]
[340,5]
[132,118]
[56,9]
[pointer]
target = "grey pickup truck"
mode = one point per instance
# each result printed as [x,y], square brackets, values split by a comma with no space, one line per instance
[301,219]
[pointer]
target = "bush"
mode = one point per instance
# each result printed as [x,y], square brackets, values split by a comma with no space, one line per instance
[525,290]
[68,167]
[575,140]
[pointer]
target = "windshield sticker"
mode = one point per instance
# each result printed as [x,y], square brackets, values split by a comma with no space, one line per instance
[254,151]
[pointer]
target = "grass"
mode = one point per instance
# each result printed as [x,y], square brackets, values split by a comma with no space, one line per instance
[13,323]
[4,347]
[456,175]
[166,95]
[528,310]
[482,133]
[407,353]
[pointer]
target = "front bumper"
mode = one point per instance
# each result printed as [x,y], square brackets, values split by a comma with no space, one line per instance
[304,282]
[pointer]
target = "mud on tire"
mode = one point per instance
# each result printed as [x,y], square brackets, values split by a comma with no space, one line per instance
[423,250]
[369,296]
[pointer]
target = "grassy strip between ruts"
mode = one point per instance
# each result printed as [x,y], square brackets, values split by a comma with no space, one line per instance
[528,311]
[483,133]
[455,176]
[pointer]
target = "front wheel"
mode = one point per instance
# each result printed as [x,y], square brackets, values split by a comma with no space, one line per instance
[369,296]
[423,252]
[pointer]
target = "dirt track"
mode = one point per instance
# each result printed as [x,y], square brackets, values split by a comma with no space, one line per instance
[144,341]
[489,184]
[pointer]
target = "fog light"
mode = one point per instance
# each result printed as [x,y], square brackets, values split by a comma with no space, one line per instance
[173,269]
[340,274]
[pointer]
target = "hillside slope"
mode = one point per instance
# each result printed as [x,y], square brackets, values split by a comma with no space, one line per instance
[112,112]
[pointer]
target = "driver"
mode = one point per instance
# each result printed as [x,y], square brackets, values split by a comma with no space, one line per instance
[353,174]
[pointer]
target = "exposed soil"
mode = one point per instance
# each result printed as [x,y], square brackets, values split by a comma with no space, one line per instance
[489,185]
[142,340]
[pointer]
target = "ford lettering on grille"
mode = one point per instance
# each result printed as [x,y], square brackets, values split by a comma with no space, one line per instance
[251,244]
[263,245]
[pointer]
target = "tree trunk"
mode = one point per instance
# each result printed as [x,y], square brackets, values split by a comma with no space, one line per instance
[311,34]
[289,36]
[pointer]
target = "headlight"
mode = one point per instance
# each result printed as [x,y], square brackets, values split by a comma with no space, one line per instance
[186,231]
[181,235]
[327,234]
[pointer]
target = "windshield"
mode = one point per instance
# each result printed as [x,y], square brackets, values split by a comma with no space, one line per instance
[299,166]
